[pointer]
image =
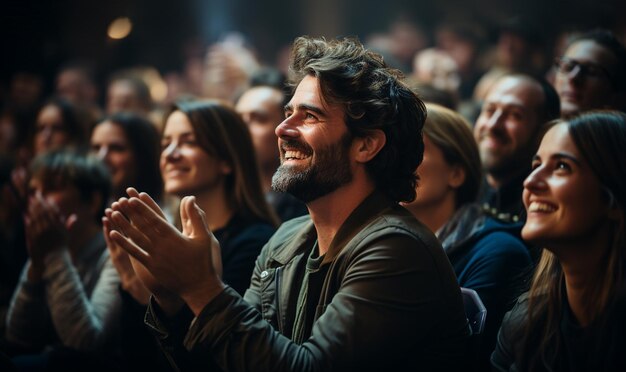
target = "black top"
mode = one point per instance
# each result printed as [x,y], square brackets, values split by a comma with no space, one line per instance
[241,241]
[597,347]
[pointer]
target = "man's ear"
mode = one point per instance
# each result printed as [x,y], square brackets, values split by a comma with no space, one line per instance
[367,147]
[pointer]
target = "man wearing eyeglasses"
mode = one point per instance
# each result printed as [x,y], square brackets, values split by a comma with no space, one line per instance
[590,74]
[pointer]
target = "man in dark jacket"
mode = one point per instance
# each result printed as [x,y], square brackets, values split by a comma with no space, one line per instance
[357,284]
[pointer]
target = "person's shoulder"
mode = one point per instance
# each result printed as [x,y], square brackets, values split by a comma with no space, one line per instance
[288,231]
[395,216]
[501,236]
[517,316]
[398,220]
[293,225]
[397,230]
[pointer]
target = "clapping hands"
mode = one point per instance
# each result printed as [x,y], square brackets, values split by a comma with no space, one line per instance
[187,264]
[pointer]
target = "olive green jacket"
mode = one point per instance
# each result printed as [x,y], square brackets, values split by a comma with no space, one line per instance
[389,300]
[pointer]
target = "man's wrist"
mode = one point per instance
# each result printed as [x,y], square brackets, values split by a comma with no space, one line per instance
[198,298]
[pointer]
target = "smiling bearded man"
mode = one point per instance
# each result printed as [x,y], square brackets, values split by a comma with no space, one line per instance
[359,283]
[328,169]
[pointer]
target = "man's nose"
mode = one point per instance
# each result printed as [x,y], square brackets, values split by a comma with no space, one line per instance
[288,128]
[576,73]
[102,152]
[495,120]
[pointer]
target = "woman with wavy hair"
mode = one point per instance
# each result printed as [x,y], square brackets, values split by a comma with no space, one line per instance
[572,319]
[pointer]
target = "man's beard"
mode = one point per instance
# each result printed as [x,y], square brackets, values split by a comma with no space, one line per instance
[329,170]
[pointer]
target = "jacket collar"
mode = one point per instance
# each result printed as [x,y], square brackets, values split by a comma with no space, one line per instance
[369,209]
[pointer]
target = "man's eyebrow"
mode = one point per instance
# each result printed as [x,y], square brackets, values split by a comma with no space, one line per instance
[306,107]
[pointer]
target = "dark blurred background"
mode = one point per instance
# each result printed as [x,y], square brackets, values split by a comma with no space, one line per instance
[40,35]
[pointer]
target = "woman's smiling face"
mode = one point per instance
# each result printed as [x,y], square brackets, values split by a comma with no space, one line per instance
[563,197]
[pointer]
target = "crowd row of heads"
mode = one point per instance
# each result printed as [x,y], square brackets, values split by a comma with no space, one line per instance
[373,97]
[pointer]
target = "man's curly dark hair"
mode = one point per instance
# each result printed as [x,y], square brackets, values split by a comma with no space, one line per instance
[374,98]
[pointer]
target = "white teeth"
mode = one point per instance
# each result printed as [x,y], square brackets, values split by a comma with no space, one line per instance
[291,154]
[540,207]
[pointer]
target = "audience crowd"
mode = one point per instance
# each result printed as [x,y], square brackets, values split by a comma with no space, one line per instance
[324,215]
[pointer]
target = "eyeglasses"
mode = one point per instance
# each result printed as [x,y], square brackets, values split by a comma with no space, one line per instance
[567,65]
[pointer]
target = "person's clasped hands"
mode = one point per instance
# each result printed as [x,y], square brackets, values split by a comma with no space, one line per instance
[46,229]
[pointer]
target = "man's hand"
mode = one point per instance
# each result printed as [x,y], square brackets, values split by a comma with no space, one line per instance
[187,263]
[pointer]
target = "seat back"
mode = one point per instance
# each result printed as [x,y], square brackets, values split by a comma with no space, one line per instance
[475,311]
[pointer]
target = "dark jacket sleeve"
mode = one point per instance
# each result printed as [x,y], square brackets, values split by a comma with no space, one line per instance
[243,251]
[170,333]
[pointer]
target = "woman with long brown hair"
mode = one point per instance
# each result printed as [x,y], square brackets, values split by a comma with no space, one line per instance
[572,319]
[207,152]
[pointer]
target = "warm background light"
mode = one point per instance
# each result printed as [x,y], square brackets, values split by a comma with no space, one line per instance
[120,28]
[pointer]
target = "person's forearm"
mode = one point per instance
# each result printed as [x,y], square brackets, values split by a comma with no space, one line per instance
[26,314]
[83,317]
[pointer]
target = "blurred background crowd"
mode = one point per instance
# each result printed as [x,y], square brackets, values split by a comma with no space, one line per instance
[195,46]
[104,76]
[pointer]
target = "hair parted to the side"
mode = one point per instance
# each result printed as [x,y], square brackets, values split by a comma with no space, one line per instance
[374,98]
[222,133]
[600,136]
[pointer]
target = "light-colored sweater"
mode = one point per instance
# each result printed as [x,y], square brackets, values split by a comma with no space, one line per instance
[76,304]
